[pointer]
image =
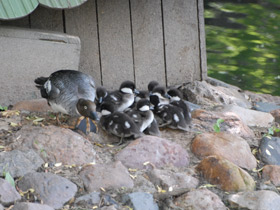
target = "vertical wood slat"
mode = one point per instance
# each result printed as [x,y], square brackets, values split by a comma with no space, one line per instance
[47,19]
[202,40]
[81,21]
[181,40]
[115,42]
[147,42]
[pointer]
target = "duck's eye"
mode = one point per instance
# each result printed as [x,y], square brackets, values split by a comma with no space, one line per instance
[85,107]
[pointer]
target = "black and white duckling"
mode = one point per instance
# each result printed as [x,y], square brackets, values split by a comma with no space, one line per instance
[142,116]
[168,115]
[124,97]
[101,94]
[152,84]
[118,123]
[176,99]
[64,88]
[160,91]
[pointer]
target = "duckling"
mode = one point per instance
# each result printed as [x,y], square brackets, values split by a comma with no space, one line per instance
[64,88]
[160,91]
[176,99]
[152,84]
[124,97]
[168,114]
[142,116]
[118,123]
[101,94]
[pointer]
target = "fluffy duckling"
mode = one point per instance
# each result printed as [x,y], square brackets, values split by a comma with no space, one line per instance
[117,123]
[160,91]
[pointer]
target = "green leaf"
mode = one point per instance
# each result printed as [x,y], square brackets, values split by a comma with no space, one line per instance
[10,179]
[216,126]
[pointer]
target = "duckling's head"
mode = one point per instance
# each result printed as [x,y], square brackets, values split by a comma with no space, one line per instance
[160,91]
[152,85]
[101,93]
[175,94]
[107,108]
[87,108]
[143,105]
[128,87]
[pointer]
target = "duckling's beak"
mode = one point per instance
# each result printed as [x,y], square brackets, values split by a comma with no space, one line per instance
[100,100]
[136,91]
[167,96]
[93,115]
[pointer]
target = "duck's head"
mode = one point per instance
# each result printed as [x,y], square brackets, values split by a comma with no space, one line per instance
[87,108]
[160,91]
[175,94]
[101,93]
[152,85]
[143,105]
[142,94]
[154,99]
[128,87]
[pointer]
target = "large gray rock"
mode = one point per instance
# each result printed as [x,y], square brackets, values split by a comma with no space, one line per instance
[200,199]
[8,194]
[269,150]
[53,190]
[107,176]
[31,206]
[153,150]
[55,144]
[256,200]
[140,201]
[36,53]
[19,163]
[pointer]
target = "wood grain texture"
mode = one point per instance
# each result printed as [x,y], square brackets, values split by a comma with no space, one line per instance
[147,42]
[115,42]
[47,19]
[82,22]
[181,41]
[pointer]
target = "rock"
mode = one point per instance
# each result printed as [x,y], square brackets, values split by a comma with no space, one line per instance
[5,122]
[257,200]
[89,199]
[192,106]
[55,144]
[272,173]
[170,181]
[265,107]
[107,176]
[269,150]
[251,117]
[200,199]
[203,93]
[232,122]
[33,105]
[228,146]
[151,149]
[31,206]
[8,194]
[1,207]
[226,175]
[53,190]
[19,163]
[140,201]
[112,207]
[276,115]
[256,97]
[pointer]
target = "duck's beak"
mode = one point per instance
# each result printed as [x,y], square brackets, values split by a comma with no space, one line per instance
[136,91]
[94,116]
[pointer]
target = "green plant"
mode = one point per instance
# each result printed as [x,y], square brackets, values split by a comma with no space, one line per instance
[216,126]
[8,176]
[3,108]
[271,131]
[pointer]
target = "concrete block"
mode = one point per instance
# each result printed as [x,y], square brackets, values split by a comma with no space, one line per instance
[26,54]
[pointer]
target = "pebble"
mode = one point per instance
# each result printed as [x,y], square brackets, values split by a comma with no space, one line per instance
[53,190]
[89,199]
[225,174]
[18,163]
[200,199]
[256,200]
[55,145]
[272,173]
[140,201]
[226,145]
[269,150]
[152,150]
[8,194]
[31,206]
[105,176]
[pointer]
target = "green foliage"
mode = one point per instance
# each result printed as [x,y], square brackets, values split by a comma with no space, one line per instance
[244,49]
[271,131]
[216,126]
[3,108]
[8,177]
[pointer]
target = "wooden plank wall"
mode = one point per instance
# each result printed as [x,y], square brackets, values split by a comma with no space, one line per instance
[139,40]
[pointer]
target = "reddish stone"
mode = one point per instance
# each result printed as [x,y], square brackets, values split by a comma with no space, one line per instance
[272,173]
[35,105]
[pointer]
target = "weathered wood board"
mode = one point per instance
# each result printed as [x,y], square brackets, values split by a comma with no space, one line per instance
[181,41]
[148,42]
[81,21]
[115,42]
